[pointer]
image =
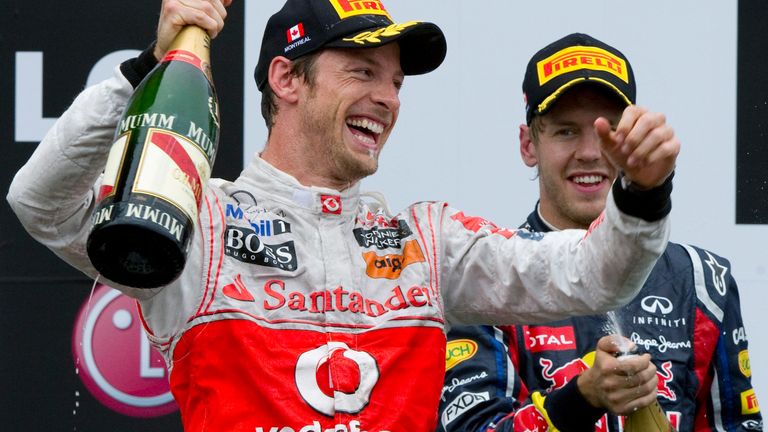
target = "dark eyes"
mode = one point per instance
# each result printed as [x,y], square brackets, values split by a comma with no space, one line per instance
[566,132]
[367,74]
[363,72]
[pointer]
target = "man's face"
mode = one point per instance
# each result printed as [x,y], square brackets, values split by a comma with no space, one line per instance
[349,112]
[574,176]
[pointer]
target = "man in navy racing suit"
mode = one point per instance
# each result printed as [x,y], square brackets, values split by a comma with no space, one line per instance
[687,316]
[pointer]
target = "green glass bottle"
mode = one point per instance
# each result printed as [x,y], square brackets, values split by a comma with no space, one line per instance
[158,167]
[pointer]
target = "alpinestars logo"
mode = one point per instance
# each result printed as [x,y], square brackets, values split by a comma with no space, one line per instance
[334,378]
[383,238]
[244,245]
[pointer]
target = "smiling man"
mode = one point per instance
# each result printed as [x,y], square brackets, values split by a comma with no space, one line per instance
[564,375]
[303,306]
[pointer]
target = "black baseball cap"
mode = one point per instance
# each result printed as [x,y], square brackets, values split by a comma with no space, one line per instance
[304,26]
[574,60]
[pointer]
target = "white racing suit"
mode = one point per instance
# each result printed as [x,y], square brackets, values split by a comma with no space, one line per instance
[307,309]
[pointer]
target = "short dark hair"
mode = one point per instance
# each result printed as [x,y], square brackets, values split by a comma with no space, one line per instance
[302,67]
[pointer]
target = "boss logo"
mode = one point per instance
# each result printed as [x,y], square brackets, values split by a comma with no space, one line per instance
[244,245]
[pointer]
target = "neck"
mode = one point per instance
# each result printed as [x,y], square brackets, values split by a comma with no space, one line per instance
[293,158]
[555,222]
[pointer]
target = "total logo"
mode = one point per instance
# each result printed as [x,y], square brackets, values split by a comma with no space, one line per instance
[114,359]
[347,389]
[542,338]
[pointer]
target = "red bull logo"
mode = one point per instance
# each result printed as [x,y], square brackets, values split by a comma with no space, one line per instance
[530,419]
[559,377]
[665,376]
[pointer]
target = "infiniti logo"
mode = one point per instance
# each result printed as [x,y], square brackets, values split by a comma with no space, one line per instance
[655,304]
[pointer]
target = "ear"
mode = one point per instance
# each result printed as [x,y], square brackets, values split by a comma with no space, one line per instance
[281,79]
[527,147]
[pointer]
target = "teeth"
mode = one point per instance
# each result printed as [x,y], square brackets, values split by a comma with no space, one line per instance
[372,126]
[588,179]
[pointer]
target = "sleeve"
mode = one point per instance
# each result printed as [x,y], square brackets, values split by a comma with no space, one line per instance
[54,193]
[483,392]
[731,395]
[488,275]
[481,385]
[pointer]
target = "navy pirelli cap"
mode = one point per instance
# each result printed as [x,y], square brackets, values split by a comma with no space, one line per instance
[305,26]
[573,60]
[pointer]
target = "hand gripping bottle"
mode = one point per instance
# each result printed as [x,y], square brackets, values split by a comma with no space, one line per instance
[647,419]
[158,167]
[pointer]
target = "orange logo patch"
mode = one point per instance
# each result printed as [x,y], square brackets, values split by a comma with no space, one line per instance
[389,266]
[749,402]
[459,350]
[348,8]
[581,57]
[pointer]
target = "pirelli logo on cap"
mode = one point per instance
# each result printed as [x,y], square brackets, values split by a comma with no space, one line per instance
[350,8]
[581,57]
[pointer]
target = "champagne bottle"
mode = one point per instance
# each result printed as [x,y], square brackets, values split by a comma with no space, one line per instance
[648,419]
[651,418]
[158,166]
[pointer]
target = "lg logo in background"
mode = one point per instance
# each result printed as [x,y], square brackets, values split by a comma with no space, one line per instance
[30,125]
[114,359]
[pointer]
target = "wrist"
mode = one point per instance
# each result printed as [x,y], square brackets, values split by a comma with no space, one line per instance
[648,204]
[569,410]
[585,387]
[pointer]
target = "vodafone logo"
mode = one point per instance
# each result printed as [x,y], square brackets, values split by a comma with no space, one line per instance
[347,389]
[114,359]
[331,204]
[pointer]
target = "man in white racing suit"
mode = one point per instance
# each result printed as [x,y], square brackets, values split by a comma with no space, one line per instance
[303,306]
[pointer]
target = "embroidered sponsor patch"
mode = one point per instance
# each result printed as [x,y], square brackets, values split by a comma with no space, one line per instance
[581,57]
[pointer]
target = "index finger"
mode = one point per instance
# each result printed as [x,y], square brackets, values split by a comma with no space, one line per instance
[628,119]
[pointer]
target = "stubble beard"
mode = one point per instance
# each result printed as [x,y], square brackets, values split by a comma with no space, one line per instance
[347,165]
[578,213]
